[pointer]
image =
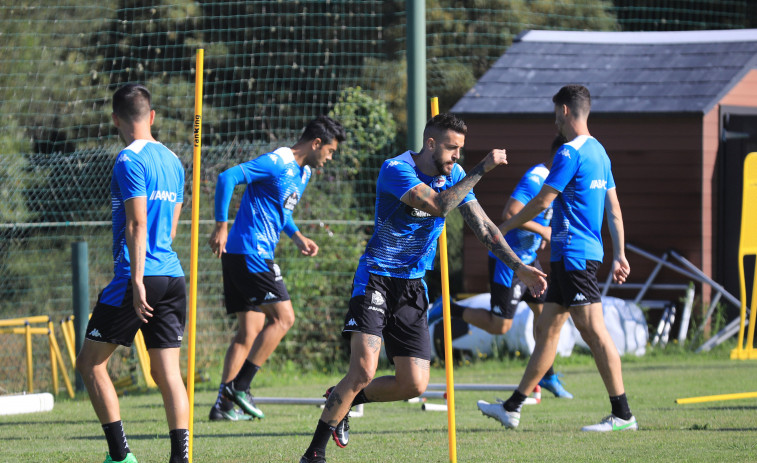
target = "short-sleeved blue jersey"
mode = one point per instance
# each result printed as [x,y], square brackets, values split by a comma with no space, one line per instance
[523,242]
[275,184]
[403,244]
[581,172]
[147,169]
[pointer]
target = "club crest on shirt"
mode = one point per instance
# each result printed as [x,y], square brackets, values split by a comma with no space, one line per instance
[291,201]
[439,181]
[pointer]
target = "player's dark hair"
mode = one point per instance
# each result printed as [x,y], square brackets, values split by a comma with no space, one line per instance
[443,122]
[325,128]
[557,143]
[576,97]
[132,102]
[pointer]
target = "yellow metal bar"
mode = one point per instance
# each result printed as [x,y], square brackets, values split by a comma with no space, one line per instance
[59,359]
[68,341]
[144,359]
[448,360]
[21,321]
[29,367]
[714,398]
[192,319]
[53,365]
[23,330]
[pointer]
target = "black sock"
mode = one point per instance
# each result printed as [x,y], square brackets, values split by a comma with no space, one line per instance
[456,310]
[245,375]
[116,437]
[360,398]
[515,402]
[179,446]
[321,437]
[222,402]
[620,407]
[549,372]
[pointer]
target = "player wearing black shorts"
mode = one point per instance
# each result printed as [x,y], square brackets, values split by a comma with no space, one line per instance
[582,187]
[414,193]
[505,288]
[253,286]
[148,291]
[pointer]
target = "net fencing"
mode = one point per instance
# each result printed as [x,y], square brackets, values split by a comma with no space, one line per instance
[270,66]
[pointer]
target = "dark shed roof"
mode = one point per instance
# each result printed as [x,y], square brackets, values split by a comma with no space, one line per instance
[626,72]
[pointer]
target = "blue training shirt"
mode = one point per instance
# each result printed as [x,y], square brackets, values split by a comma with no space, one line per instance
[403,244]
[147,169]
[275,184]
[581,172]
[524,243]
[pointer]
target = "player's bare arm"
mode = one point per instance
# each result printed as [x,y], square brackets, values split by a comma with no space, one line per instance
[217,241]
[488,233]
[536,206]
[620,267]
[175,223]
[136,241]
[306,246]
[512,208]
[426,199]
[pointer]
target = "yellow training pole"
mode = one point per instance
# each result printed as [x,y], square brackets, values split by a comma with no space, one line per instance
[53,365]
[67,341]
[29,363]
[193,249]
[747,246]
[714,398]
[444,267]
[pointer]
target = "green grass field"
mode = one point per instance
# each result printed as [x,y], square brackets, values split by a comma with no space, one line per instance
[723,431]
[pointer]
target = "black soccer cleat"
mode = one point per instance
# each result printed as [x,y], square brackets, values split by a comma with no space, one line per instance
[314,458]
[341,433]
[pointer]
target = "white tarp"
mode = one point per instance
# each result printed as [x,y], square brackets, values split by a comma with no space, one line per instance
[625,323]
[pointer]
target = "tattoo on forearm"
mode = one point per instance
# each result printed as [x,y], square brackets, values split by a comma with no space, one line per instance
[489,234]
[374,343]
[450,198]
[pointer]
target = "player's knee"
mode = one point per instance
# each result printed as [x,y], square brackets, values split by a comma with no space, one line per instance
[359,378]
[502,327]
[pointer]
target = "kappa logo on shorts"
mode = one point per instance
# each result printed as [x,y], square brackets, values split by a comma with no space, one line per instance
[269,296]
[352,322]
[179,338]
[377,298]
[95,333]
[579,298]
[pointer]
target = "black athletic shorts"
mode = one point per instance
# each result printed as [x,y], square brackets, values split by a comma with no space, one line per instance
[505,299]
[115,321]
[394,308]
[244,291]
[573,283]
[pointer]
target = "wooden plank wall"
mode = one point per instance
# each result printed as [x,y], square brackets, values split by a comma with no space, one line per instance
[657,164]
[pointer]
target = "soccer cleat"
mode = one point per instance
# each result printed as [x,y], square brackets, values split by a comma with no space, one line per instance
[235,414]
[613,423]
[130,458]
[498,412]
[315,458]
[553,384]
[244,400]
[340,434]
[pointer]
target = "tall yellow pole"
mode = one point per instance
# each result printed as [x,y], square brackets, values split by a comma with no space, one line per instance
[195,236]
[444,267]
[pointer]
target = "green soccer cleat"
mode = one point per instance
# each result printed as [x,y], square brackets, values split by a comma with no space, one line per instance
[235,414]
[244,400]
[130,458]
[613,423]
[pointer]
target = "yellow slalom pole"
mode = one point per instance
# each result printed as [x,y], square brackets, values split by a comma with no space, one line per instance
[714,398]
[29,361]
[444,267]
[191,333]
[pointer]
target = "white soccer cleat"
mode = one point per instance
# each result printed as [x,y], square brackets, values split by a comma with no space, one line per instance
[498,412]
[613,423]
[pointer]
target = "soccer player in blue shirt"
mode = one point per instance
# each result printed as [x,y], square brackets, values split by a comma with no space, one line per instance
[505,288]
[148,289]
[414,193]
[252,283]
[582,187]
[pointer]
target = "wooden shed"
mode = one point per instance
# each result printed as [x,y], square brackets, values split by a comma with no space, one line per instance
[676,111]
